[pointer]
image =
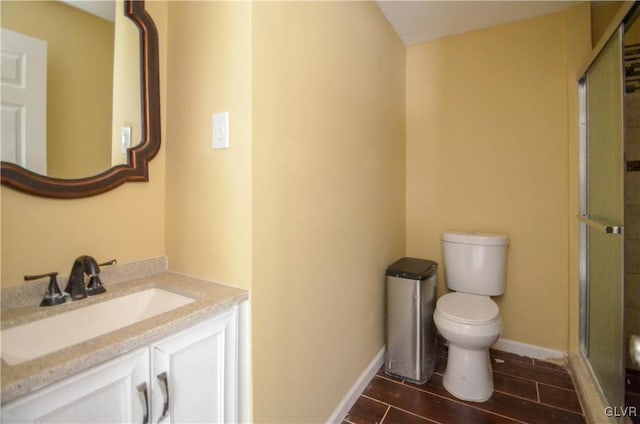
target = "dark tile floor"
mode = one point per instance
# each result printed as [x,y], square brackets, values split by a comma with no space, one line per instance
[526,391]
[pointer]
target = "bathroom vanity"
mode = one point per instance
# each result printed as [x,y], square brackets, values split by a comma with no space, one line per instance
[187,364]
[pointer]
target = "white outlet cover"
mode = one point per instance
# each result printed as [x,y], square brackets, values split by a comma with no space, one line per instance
[125,140]
[221,130]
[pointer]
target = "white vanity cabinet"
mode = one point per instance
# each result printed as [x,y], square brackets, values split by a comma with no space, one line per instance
[107,393]
[190,376]
[195,373]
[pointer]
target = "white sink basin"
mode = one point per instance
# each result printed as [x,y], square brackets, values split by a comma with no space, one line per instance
[29,341]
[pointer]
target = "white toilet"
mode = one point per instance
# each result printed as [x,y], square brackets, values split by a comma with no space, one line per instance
[475,267]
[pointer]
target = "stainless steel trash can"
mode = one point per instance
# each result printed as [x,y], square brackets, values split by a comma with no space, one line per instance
[410,333]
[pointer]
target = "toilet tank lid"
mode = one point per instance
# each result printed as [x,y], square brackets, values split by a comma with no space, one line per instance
[483,239]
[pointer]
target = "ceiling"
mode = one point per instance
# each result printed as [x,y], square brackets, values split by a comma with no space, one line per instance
[421,21]
[104,9]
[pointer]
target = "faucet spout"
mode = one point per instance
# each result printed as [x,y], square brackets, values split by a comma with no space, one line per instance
[90,265]
[75,286]
[85,264]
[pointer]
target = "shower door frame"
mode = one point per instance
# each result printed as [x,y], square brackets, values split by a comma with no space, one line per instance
[611,390]
[584,219]
[627,13]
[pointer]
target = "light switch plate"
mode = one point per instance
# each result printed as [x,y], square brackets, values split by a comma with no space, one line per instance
[125,140]
[221,130]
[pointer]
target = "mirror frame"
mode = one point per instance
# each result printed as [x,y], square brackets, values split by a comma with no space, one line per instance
[137,169]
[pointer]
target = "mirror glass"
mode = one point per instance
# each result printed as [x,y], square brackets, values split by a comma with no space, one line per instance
[80,111]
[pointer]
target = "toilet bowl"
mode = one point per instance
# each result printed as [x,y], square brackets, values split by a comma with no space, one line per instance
[468,318]
[470,332]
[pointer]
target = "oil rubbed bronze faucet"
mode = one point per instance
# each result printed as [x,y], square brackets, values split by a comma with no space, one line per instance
[85,265]
[53,296]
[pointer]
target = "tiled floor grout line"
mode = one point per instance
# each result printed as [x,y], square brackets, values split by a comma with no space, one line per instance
[389,406]
[540,402]
[385,414]
[532,381]
[568,390]
[535,381]
[556,374]
[375,400]
[537,390]
[550,365]
[524,398]
[430,420]
[499,391]
[555,387]
[518,377]
[455,400]
[564,409]
[550,369]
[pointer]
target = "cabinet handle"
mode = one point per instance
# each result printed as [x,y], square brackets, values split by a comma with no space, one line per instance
[142,391]
[164,386]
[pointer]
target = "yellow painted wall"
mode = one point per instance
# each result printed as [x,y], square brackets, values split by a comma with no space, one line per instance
[307,207]
[487,150]
[41,235]
[328,199]
[79,64]
[209,191]
[632,36]
[602,13]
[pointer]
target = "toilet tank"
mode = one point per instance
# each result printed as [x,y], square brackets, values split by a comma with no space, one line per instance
[475,263]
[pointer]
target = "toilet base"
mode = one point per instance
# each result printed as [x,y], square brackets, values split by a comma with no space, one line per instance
[469,375]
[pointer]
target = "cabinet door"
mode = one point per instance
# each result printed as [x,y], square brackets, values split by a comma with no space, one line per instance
[194,373]
[104,394]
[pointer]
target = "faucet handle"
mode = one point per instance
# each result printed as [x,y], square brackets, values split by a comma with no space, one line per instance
[92,267]
[95,285]
[54,295]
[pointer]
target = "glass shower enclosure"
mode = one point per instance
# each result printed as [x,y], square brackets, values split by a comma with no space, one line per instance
[601,219]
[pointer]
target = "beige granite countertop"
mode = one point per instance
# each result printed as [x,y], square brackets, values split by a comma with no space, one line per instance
[23,378]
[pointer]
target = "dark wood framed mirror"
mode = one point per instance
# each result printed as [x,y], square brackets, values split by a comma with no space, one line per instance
[137,157]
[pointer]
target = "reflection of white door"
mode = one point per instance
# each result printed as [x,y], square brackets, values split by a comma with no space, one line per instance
[24,101]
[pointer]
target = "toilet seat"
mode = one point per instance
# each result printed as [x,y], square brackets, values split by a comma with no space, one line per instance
[470,309]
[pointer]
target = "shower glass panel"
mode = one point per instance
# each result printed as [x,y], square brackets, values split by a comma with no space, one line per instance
[605,314]
[602,217]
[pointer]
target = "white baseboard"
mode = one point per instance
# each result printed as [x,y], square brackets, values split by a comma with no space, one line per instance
[358,387]
[505,345]
[532,351]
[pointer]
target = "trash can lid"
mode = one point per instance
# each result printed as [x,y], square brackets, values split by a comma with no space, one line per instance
[412,268]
